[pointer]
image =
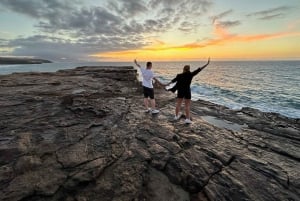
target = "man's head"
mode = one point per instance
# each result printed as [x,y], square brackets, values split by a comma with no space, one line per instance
[149,65]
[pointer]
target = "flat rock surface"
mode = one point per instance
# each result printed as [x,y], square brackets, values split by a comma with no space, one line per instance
[82,134]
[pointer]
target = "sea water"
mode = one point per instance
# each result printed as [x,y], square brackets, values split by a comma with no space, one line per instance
[270,86]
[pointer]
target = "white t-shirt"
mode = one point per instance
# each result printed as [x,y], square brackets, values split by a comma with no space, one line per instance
[147,75]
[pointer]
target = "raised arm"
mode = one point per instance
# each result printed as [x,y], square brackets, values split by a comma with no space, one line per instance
[138,65]
[208,61]
[201,68]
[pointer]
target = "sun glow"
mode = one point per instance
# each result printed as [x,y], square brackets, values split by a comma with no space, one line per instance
[223,45]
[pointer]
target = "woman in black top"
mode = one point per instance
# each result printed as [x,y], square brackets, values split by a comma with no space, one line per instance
[183,82]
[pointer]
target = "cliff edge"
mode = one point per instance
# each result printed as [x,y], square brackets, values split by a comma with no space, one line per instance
[82,134]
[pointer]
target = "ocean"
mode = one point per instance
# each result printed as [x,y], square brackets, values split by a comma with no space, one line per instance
[270,86]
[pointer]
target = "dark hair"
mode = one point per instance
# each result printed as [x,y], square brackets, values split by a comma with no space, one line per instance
[149,64]
[186,68]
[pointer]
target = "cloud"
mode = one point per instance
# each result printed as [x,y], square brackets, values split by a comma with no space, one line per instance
[128,8]
[220,26]
[3,41]
[227,24]
[178,12]
[5,48]
[184,6]
[95,20]
[69,29]
[45,47]
[116,18]
[221,15]
[186,26]
[216,19]
[270,13]
[54,48]
[89,30]
[41,8]
[268,17]
[222,36]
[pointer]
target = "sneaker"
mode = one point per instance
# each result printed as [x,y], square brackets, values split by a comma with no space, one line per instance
[177,117]
[154,111]
[147,111]
[187,121]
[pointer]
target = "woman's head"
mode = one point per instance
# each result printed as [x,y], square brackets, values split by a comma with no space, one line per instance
[186,68]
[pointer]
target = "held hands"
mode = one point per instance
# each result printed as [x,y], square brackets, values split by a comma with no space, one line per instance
[166,84]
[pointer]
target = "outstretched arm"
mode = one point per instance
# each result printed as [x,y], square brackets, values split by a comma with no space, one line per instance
[172,81]
[157,80]
[208,61]
[201,68]
[138,65]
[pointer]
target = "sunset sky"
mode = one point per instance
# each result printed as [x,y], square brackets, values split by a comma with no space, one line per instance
[158,30]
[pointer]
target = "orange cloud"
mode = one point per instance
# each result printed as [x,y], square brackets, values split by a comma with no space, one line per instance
[161,50]
[223,36]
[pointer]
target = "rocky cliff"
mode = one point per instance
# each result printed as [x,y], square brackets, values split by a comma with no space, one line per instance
[82,134]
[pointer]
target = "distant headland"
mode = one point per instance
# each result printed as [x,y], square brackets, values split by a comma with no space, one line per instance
[24,60]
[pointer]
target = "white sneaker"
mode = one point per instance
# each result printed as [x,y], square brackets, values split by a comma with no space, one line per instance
[177,117]
[187,121]
[154,111]
[147,111]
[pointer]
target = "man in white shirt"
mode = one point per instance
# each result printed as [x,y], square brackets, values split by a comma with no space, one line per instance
[148,76]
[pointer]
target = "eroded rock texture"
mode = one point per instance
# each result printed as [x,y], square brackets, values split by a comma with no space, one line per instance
[82,134]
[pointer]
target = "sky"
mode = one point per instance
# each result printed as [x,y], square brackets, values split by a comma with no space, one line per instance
[157,30]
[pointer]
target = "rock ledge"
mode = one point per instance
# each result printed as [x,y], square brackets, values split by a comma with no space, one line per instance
[82,134]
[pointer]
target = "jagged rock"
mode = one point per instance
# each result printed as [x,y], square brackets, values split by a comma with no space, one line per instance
[82,134]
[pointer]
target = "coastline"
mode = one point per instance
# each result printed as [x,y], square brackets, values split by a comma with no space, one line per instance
[82,134]
[211,91]
[13,61]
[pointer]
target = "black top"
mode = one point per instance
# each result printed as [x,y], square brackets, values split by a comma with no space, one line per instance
[184,79]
